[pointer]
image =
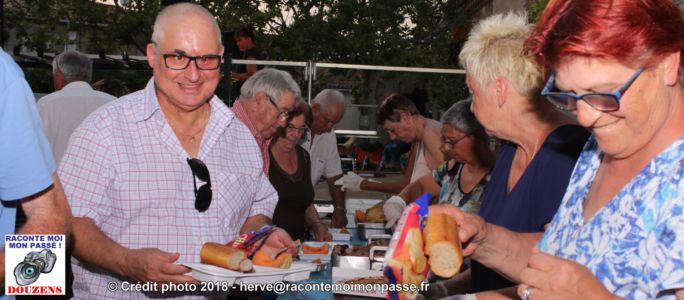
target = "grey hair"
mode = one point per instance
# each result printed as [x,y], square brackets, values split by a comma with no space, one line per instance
[273,82]
[75,66]
[328,98]
[181,11]
[460,117]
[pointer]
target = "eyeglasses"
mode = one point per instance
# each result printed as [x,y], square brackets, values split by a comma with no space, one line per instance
[601,101]
[281,113]
[300,130]
[203,194]
[180,61]
[452,144]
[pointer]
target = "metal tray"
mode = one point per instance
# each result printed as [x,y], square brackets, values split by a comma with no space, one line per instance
[365,230]
[370,262]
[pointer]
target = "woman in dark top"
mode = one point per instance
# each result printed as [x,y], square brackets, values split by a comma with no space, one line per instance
[533,169]
[290,175]
[245,41]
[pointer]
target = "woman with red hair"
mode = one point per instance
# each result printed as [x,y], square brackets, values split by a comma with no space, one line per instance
[616,66]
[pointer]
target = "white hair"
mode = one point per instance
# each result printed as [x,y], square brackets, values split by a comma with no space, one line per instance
[74,65]
[328,98]
[182,11]
[273,82]
[495,48]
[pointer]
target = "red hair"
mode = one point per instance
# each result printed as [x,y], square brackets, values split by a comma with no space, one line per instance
[637,33]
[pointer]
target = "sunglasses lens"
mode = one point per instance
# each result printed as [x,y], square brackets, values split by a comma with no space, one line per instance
[203,194]
[602,102]
[199,168]
[203,198]
[563,102]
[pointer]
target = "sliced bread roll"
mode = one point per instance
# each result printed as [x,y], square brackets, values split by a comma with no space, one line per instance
[442,245]
[223,256]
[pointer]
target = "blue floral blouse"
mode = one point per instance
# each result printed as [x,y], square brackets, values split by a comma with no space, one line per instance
[635,244]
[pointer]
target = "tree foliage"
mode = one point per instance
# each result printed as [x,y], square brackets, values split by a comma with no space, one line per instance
[416,33]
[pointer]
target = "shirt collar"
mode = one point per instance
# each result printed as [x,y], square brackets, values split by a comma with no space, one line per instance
[150,106]
[241,114]
[77,85]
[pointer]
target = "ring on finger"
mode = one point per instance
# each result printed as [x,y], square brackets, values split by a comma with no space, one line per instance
[526,293]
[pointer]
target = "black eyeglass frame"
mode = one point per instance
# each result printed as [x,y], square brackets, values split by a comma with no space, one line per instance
[203,195]
[190,58]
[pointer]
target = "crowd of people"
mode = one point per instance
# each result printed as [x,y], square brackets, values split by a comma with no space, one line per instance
[582,200]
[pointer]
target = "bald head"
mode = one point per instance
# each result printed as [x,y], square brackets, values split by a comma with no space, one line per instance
[183,13]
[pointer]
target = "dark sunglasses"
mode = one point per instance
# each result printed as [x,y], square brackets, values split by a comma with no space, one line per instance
[600,101]
[203,194]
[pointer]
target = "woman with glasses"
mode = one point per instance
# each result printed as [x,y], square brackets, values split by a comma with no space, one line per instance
[540,145]
[290,174]
[462,178]
[616,66]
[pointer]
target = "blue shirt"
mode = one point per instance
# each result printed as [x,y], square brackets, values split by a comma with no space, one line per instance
[536,196]
[634,244]
[26,162]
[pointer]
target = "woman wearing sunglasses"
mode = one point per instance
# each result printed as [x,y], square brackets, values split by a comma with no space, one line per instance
[617,68]
[290,174]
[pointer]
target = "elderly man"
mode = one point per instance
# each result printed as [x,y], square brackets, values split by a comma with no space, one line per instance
[264,104]
[27,168]
[157,173]
[328,110]
[74,99]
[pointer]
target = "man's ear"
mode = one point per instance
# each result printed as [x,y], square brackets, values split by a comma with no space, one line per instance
[58,80]
[501,86]
[671,65]
[150,54]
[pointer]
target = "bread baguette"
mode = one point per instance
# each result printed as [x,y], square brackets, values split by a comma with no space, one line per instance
[222,256]
[442,245]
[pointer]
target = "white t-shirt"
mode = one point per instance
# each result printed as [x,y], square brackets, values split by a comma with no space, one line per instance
[62,111]
[325,160]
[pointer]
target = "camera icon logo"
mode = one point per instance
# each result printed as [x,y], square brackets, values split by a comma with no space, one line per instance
[35,262]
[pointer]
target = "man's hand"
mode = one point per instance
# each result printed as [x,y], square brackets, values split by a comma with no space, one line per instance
[279,241]
[339,218]
[151,264]
[351,182]
[321,232]
[393,208]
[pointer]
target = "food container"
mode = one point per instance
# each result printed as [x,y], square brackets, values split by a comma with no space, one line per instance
[341,276]
[352,204]
[340,234]
[365,230]
[369,257]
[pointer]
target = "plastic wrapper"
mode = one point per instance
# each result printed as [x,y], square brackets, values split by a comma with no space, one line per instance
[406,261]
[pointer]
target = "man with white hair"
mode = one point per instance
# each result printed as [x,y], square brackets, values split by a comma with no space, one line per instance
[328,109]
[73,100]
[138,172]
[265,102]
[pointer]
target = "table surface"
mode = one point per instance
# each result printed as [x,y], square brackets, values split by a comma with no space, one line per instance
[323,276]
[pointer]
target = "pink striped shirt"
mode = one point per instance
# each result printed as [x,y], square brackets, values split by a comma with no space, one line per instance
[127,171]
[241,114]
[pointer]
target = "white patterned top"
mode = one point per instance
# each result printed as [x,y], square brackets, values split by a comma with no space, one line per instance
[127,171]
[635,244]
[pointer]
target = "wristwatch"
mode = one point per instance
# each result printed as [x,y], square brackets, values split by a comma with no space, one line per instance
[341,207]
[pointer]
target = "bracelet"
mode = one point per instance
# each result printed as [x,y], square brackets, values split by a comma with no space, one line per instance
[341,207]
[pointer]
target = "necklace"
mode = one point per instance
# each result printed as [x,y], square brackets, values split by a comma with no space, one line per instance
[192,136]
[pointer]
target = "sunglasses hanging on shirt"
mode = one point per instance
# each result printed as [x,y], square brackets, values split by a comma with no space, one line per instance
[203,194]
